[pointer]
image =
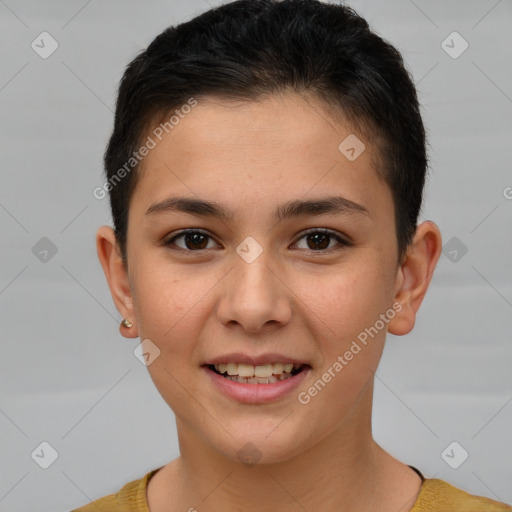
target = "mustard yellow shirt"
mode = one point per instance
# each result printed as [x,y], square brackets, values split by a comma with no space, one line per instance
[435,496]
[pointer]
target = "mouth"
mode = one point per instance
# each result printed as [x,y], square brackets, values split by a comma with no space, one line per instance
[261,374]
[256,380]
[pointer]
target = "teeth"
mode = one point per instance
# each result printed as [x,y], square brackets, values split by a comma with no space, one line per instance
[258,380]
[245,370]
[265,371]
[262,371]
[278,368]
[232,368]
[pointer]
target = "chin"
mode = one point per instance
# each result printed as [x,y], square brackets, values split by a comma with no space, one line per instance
[260,447]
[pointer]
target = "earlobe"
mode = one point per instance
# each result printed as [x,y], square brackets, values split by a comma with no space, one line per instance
[116,274]
[414,276]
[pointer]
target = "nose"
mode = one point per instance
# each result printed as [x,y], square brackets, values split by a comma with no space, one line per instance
[255,296]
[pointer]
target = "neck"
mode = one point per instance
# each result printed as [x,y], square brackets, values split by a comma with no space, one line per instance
[346,471]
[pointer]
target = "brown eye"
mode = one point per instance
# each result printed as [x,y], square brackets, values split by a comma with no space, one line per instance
[193,240]
[320,240]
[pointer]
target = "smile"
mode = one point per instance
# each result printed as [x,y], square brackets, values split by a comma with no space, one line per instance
[261,374]
[245,386]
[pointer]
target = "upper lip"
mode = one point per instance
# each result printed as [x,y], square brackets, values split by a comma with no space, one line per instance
[260,360]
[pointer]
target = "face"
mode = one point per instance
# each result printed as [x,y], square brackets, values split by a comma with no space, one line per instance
[299,288]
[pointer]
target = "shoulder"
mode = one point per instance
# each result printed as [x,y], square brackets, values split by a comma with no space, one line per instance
[131,498]
[105,504]
[439,496]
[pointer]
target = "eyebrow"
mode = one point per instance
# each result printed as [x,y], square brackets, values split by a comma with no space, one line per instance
[335,205]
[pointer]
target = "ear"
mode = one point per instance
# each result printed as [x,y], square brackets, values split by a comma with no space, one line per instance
[116,273]
[414,275]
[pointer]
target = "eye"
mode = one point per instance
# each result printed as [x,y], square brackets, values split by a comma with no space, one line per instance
[193,240]
[318,240]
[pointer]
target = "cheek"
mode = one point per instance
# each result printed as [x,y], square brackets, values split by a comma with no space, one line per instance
[347,299]
[167,309]
[352,345]
[168,299]
[348,305]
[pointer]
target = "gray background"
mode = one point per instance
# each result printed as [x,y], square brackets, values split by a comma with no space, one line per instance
[68,377]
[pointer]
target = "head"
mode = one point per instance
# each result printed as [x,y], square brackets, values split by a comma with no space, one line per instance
[249,50]
[263,112]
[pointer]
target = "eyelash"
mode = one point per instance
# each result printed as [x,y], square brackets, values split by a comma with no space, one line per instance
[342,241]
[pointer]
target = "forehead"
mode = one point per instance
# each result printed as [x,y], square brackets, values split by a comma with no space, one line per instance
[287,145]
[274,124]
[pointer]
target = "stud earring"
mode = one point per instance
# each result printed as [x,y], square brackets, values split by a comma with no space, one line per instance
[126,323]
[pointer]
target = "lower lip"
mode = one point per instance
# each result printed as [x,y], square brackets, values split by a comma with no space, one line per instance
[256,393]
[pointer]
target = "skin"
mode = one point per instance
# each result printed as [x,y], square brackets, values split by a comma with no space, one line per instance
[293,299]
